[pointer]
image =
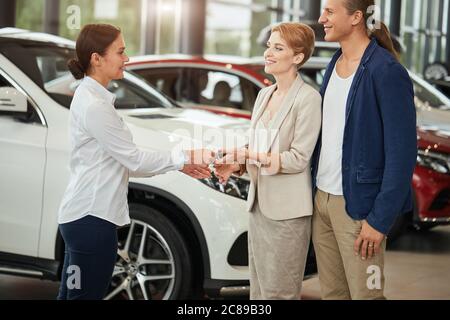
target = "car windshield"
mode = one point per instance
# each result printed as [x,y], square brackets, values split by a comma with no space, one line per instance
[46,65]
[426,96]
[310,76]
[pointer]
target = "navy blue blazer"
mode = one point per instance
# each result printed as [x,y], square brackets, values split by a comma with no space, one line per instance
[380,143]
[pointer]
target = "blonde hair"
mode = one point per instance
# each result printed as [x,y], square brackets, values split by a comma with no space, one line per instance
[299,37]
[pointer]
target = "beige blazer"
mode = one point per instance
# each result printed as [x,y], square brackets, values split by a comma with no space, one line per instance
[287,194]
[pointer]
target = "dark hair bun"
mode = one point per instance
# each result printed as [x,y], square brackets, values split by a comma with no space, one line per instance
[76,69]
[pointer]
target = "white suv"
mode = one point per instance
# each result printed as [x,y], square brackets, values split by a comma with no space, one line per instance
[187,237]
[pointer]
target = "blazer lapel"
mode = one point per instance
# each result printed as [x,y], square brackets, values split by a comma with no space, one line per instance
[353,89]
[258,111]
[286,106]
[262,106]
[358,76]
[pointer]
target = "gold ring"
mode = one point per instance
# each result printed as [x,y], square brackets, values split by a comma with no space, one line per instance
[370,245]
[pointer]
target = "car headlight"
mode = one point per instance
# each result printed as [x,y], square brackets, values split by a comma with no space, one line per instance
[435,161]
[236,187]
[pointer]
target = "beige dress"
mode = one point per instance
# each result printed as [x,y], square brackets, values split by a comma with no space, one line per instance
[277,249]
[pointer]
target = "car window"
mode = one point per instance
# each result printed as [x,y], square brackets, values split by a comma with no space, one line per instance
[260,70]
[31,116]
[46,65]
[168,80]
[214,88]
[311,76]
[442,85]
[249,93]
[427,97]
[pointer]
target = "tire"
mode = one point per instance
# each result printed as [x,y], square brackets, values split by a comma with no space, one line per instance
[404,222]
[423,227]
[417,224]
[164,243]
[399,227]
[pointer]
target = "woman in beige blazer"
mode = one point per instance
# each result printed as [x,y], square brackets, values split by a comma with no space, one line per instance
[285,126]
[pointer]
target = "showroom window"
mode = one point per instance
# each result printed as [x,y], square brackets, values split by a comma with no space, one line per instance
[424,29]
[122,13]
[238,38]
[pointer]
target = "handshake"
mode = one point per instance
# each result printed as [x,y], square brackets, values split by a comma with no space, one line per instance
[200,163]
[224,163]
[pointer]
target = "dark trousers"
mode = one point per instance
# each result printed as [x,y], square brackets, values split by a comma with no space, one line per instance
[90,256]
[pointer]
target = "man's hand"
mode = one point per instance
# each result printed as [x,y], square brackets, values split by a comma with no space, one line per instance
[368,242]
[197,164]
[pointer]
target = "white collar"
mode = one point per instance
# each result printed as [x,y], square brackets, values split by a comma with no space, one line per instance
[94,84]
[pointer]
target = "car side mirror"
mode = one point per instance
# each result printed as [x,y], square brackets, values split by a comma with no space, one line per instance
[12,100]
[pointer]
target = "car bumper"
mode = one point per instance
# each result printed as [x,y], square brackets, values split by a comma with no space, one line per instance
[432,191]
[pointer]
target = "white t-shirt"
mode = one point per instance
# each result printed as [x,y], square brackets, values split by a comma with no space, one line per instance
[103,156]
[329,175]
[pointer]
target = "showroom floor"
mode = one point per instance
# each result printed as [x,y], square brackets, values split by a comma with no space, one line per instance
[417,267]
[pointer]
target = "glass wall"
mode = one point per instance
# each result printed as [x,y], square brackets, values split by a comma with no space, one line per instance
[424,26]
[250,17]
[167,26]
[29,14]
[226,36]
[122,13]
[234,26]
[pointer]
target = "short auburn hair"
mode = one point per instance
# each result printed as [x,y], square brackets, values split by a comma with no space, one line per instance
[299,37]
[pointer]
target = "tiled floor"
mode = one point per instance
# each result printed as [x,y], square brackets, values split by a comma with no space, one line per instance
[417,267]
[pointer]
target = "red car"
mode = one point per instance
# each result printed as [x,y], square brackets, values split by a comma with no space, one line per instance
[431,180]
[229,86]
[222,84]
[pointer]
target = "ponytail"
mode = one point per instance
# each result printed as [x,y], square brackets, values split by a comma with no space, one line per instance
[382,34]
[76,68]
[384,39]
[93,38]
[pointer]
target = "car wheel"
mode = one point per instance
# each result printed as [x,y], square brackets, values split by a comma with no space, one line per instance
[417,224]
[153,260]
[404,221]
[422,227]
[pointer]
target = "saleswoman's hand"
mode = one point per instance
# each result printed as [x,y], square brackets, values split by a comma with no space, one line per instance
[197,163]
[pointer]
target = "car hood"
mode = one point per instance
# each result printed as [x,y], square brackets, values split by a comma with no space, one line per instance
[433,117]
[165,129]
[434,139]
[228,111]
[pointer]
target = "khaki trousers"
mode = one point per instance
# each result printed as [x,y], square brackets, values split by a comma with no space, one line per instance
[342,274]
[277,253]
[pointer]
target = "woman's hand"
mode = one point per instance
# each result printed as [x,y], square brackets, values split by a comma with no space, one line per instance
[201,157]
[231,156]
[223,171]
